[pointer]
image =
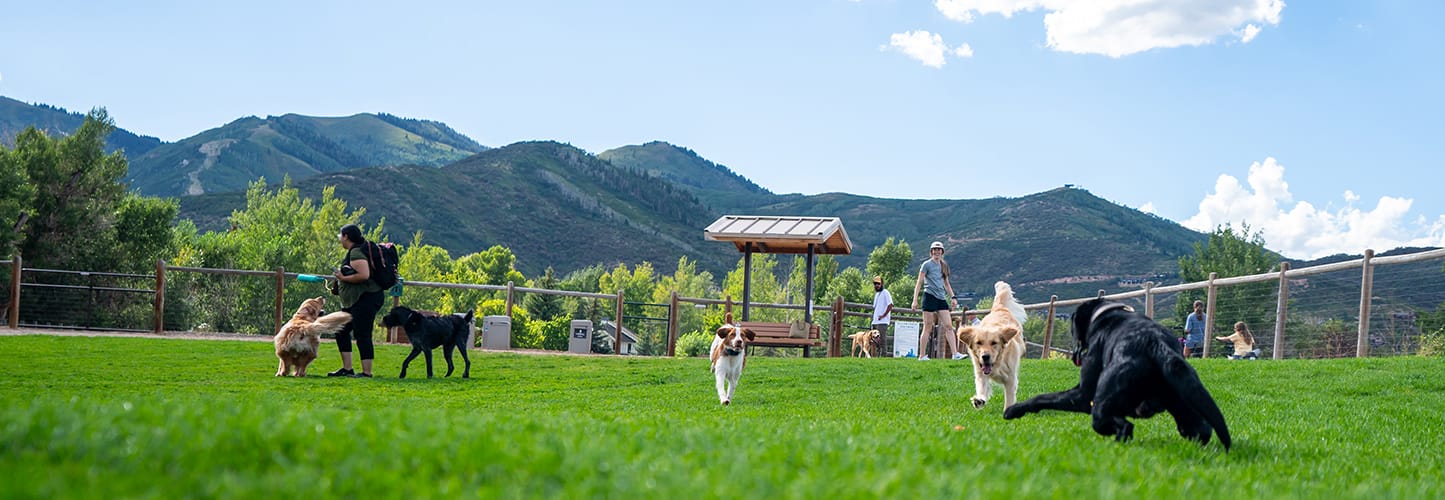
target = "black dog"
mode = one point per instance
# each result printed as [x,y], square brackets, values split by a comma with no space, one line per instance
[426,333]
[1131,367]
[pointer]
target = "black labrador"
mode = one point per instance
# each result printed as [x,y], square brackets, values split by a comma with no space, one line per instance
[1133,367]
[429,332]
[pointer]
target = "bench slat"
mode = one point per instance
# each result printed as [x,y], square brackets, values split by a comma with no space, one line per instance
[767,334]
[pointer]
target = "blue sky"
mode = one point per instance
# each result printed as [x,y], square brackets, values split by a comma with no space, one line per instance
[1318,123]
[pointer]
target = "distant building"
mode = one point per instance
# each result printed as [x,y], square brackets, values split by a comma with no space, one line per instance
[608,332]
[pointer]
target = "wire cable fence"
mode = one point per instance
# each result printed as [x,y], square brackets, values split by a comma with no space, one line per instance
[1314,312]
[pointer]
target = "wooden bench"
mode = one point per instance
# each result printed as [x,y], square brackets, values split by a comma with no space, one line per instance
[777,335]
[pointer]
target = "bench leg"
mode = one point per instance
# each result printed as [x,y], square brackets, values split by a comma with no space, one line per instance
[805,351]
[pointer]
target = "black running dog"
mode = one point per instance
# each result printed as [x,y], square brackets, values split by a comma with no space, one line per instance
[1130,367]
[427,333]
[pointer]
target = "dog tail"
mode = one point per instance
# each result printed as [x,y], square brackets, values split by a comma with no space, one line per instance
[330,323]
[1004,294]
[1186,382]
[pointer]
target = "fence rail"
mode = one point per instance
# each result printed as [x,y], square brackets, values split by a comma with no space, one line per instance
[1293,312]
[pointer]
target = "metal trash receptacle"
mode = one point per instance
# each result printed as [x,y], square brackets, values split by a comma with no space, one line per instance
[496,332]
[579,338]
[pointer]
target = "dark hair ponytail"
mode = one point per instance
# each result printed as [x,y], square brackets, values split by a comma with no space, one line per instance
[353,233]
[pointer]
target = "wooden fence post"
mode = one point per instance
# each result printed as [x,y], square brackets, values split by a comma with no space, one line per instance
[1149,299]
[672,321]
[1049,327]
[835,340]
[1367,285]
[617,341]
[728,310]
[280,297]
[1281,312]
[15,264]
[160,309]
[510,291]
[1209,306]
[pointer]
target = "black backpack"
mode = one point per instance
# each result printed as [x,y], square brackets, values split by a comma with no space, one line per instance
[383,261]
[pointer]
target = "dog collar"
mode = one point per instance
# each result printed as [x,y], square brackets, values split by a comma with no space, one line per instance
[1110,307]
[728,351]
[1078,355]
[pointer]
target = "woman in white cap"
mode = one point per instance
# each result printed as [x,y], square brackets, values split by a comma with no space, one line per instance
[933,281]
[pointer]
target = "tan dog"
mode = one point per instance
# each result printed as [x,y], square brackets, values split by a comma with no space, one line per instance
[995,346]
[298,339]
[865,341]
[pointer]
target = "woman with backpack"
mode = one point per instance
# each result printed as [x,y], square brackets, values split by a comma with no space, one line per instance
[361,297]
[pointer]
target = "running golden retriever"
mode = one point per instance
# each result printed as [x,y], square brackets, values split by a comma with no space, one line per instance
[995,346]
[298,339]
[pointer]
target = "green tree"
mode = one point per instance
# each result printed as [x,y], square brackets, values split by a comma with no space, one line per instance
[277,228]
[890,260]
[853,287]
[1228,253]
[545,306]
[687,282]
[17,195]
[765,288]
[76,189]
[143,232]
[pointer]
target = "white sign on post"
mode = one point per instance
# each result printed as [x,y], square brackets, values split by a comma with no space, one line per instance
[905,339]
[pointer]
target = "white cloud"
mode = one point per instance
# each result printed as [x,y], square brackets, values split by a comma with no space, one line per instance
[926,47]
[1303,231]
[1148,208]
[1250,31]
[1117,28]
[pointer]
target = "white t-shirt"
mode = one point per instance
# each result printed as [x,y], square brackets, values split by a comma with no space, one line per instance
[881,301]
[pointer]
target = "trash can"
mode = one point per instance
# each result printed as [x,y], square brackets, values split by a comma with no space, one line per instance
[580,340]
[496,332]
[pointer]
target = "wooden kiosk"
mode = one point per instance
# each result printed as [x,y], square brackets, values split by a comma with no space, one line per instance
[781,235]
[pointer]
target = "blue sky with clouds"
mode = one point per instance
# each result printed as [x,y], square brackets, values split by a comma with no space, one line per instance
[1318,123]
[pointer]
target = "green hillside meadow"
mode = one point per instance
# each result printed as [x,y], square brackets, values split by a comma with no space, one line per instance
[137,417]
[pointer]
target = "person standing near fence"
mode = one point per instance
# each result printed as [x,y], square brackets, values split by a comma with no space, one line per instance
[882,312]
[1194,329]
[933,281]
[361,297]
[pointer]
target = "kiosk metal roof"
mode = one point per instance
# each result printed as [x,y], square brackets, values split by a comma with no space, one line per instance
[781,234]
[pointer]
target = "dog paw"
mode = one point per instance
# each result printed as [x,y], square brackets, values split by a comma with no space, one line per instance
[1013,412]
[1125,432]
[726,401]
[979,402]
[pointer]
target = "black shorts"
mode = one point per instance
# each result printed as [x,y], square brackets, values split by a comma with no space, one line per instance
[931,303]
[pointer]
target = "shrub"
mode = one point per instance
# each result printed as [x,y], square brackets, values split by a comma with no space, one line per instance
[693,344]
[1433,343]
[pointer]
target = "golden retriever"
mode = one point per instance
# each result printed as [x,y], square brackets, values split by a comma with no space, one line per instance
[298,339]
[995,346]
[864,341]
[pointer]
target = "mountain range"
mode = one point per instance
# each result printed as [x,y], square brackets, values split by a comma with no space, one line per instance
[558,206]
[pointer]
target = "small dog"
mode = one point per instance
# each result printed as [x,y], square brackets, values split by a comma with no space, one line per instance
[1131,366]
[864,341]
[297,340]
[427,333]
[729,356]
[995,346]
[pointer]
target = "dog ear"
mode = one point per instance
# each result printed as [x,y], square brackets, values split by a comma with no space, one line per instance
[748,333]
[414,318]
[965,334]
[1009,333]
[1082,316]
[723,331]
[468,317]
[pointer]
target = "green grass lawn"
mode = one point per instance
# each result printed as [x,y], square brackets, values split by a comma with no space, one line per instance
[133,417]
